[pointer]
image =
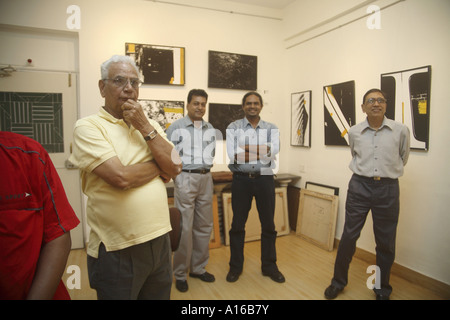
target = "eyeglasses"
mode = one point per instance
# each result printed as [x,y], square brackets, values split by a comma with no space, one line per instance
[379,100]
[121,82]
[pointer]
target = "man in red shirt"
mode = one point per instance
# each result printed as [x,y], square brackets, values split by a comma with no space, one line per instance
[35,220]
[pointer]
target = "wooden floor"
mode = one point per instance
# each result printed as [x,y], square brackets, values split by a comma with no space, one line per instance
[307,268]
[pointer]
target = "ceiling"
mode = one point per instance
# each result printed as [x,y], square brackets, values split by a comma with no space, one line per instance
[275,4]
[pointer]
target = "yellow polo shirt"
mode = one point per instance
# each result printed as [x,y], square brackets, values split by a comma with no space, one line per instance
[118,218]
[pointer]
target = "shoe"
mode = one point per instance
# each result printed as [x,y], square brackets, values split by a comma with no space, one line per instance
[206,276]
[233,276]
[382,297]
[276,276]
[181,285]
[332,292]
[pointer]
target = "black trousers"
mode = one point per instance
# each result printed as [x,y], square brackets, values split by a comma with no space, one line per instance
[243,189]
[382,198]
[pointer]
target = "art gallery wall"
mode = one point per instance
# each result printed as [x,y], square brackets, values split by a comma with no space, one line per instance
[107,25]
[413,34]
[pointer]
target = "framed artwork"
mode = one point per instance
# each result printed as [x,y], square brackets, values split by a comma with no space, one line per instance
[322,188]
[232,71]
[316,222]
[408,94]
[36,115]
[339,112]
[301,119]
[163,111]
[253,225]
[221,115]
[158,64]
[215,240]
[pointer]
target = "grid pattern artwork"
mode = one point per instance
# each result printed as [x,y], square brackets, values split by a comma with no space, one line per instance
[35,115]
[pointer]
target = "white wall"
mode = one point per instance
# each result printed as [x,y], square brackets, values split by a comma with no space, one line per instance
[107,25]
[413,34]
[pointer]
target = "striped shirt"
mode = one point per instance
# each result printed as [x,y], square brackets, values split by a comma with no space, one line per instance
[241,133]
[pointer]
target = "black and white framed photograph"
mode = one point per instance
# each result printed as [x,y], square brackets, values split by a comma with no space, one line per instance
[163,111]
[301,119]
[157,64]
[221,115]
[339,112]
[408,94]
[232,71]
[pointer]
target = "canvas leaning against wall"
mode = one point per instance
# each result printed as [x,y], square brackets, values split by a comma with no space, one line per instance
[301,119]
[339,113]
[408,95]
[158,64]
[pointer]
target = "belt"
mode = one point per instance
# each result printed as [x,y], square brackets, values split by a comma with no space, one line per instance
[375,178]
[201,171]
[252,175]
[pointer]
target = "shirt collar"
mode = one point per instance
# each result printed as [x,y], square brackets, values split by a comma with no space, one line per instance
[189,122]
[386,122]
[107,116]
[247,123]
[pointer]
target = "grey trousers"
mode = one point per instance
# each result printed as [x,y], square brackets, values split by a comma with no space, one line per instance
[193,197]
[382,198]
[140,272]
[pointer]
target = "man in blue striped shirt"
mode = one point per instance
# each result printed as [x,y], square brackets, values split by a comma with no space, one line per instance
[195,141]
[252,145]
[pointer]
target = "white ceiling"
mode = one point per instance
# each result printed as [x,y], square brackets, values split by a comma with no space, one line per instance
[276,4]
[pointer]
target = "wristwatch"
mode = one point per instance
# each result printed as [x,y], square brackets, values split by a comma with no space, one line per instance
[152,135]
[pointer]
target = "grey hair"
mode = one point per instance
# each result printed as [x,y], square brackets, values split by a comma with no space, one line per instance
[104,69]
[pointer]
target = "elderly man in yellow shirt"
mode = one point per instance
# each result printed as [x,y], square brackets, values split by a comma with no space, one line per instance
[124,161]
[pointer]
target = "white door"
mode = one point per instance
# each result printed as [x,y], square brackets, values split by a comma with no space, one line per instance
[41,122]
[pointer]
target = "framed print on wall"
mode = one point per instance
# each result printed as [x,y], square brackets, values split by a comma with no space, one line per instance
[339,113]
[37,115]
[301,119]
[232,71]
[221,115]
[162,111]
[408,94]
[158,64]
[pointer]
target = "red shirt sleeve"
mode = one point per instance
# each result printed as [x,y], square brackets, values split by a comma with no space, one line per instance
[59,216]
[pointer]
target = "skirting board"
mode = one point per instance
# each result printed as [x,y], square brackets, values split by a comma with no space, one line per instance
[437,286]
